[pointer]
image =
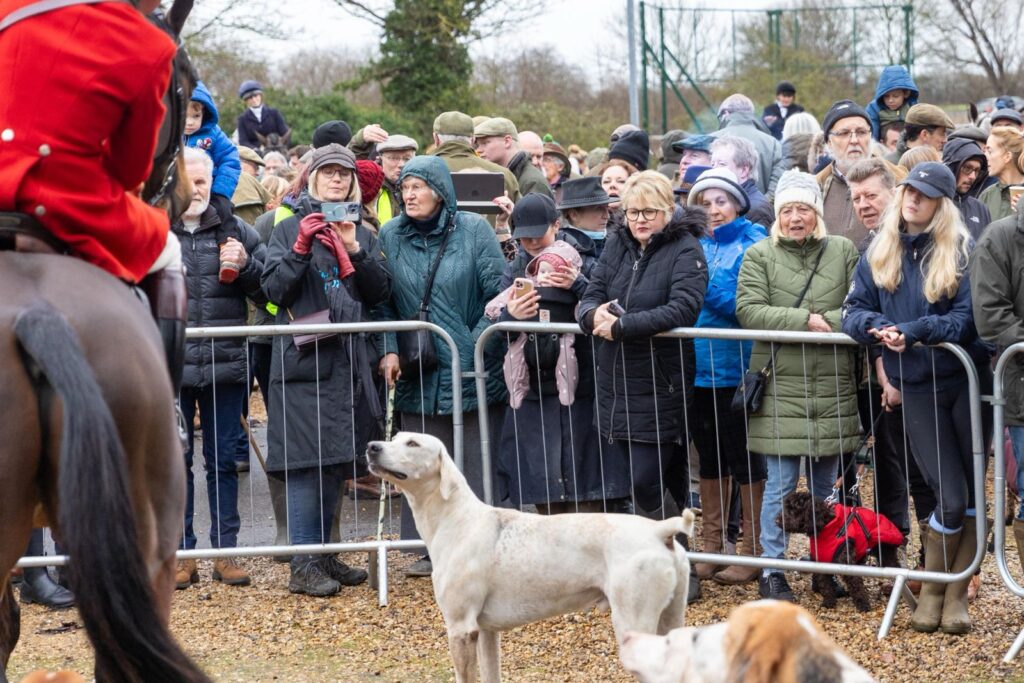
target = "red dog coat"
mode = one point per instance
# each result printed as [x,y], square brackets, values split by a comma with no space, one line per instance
[865,528]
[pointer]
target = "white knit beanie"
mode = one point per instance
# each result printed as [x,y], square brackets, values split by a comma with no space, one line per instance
[798,187]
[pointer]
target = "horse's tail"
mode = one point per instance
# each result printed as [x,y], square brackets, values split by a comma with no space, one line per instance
[108,575]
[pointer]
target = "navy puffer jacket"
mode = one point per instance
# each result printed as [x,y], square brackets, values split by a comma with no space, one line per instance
[212,303]
[661,287]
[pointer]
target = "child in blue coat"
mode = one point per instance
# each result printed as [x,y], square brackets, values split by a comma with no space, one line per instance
[202,131]
[895,95]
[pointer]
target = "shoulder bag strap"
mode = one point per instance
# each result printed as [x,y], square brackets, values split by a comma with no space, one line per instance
[799,300]
[425,306]
[44,6]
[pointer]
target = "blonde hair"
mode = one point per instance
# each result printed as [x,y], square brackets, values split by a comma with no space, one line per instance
[1011,140]
[944,261]
[919,155]
[650,189]
[276,186]
[353,189]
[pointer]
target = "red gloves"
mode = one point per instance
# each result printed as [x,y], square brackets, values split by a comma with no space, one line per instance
[309,227]
[330,239]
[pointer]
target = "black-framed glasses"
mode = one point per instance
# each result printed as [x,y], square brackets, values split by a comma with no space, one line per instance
[648,214]
[331,171]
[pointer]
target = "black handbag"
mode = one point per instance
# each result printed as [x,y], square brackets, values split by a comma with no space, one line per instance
[416,352]
[750,393]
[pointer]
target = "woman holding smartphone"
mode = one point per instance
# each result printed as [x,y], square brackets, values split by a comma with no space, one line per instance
[314,430]
[654,268]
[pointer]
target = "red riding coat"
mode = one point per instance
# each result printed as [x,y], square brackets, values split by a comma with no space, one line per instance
[81,92]
[866,529]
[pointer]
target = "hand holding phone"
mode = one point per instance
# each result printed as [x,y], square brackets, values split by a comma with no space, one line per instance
[615,308]
[521,286]
[340,212]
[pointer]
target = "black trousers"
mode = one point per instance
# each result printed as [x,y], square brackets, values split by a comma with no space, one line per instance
[720,435]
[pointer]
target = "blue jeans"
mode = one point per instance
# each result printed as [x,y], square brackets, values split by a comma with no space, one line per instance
[783,474]
[220,423]
[1017,438]
[312,497]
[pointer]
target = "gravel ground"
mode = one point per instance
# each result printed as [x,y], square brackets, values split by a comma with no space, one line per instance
[262,633]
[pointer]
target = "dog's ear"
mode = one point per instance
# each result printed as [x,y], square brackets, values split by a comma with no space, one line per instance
[449,482]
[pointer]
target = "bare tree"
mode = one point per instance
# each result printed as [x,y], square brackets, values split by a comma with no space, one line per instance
[980,33]
[482,18]
[215,18]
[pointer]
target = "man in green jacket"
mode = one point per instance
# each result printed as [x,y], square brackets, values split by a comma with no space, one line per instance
[997,295]
[497,141]
[453,139]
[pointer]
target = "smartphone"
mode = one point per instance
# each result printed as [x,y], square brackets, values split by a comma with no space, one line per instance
[521,286]
[337,212]
[615,308]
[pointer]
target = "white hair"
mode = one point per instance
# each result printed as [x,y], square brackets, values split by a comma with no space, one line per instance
[444,137]
[737,102]
[743,152]
[276,156]
[800,123]
[194,155]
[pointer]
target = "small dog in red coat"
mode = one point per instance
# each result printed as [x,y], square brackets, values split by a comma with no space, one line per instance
[841,535]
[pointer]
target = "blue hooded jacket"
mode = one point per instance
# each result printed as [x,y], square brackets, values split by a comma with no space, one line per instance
[893,77]
[211,139]
[721,363]
[869,306]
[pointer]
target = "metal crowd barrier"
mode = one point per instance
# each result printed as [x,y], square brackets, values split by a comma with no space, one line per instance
[999,483]
[900,575]
[377,549]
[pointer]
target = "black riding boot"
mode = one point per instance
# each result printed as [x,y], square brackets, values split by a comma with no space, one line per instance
[37,585]
[168,301]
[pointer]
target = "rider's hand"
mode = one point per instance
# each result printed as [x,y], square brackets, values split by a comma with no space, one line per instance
[308,227]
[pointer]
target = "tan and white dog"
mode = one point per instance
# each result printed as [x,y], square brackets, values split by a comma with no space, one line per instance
[767,641]
[496,569]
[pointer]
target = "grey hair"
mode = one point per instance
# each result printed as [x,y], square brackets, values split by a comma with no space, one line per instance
[557,159]
[275,155]
[196,155]
[743,152]
[737,102]
[866,168]
[444,137]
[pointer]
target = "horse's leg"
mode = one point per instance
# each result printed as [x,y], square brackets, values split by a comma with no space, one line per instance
[10,625]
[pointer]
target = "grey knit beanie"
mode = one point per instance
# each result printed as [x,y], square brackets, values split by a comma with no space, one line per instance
[798,187]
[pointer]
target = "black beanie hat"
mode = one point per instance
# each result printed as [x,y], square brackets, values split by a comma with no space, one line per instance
[331,131]
[633,147]
[841,110]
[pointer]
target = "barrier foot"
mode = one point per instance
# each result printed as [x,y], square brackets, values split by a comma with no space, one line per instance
[890,609]
[382,576]
[371,568]
[1015,648]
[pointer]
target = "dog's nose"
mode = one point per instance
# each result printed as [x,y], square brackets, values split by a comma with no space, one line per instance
[374,448]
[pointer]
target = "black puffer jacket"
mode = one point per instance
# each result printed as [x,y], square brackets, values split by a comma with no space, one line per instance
[214,304]
[660,288]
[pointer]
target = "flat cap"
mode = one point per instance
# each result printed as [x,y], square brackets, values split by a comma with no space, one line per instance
[928,115]
[496,127]
[332,153]
[454,123]
[250,155]
[396,143]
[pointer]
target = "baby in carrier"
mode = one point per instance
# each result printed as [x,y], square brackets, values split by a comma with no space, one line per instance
[553,356]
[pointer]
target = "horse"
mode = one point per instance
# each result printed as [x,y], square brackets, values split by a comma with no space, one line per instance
[89,444]
[272,142]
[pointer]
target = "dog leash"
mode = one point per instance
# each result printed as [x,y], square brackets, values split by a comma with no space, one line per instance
[866,442]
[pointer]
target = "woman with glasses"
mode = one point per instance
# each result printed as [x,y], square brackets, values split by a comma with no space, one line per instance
[650,278]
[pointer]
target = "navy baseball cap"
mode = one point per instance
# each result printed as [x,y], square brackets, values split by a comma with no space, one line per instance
[932,179]
[532,216]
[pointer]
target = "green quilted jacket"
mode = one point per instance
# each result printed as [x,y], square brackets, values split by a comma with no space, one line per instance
[469,276]
[810,402]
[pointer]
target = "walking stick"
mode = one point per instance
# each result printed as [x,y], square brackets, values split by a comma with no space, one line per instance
[252,441]
[389,428]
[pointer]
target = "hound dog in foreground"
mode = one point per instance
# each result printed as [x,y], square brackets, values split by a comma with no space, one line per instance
[496,569]
[768,641]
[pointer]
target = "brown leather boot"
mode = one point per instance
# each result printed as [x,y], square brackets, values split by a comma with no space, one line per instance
[751,496]
[715,495]
[228,571]
[186,573]
[939,554]
[168,302]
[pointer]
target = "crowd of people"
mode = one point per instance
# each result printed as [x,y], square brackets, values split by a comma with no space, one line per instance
[886,222]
